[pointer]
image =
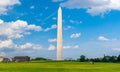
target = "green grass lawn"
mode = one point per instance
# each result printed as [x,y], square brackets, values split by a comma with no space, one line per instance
[59,67]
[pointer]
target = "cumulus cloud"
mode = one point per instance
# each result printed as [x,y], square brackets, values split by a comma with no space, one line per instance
[9,31]
[51,47]
[5,5]
[6,44]
[30,45]
[52,40]
[27,45]
[102,38]
[10,44]
[52,27]
[16,29]
[94,7]
[1,21]
[76,35]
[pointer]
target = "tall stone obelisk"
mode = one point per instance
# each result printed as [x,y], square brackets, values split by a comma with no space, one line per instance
[59,35]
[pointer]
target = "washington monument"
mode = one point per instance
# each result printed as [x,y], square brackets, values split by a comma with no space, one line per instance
[59,35]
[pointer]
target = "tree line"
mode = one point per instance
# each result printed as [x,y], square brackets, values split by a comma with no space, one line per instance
[83,58]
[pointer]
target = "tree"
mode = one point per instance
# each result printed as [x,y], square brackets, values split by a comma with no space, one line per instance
[106,59]
[112,59]
[97,60]
[118,58]
[82,58]
[39,58]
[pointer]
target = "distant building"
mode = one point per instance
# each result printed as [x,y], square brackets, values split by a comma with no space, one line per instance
[1,59]
[11,59]
[6,60]
[107,57]
[21,58]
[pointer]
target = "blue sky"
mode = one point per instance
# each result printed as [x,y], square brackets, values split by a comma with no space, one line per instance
[29,27]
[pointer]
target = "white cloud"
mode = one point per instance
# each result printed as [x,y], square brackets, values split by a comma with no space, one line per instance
[71,47]
[94,7]
[30,45]
[52,40]
[5,5]
[51,47]
[9,31]
[76,35]
[102,38]
[27,45]
[34,27]
[10,44]
[6,44]
[1,21]
[52,27]
[16,29]
[57,0]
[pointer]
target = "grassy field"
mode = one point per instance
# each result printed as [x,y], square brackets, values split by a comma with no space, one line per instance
[59,67]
